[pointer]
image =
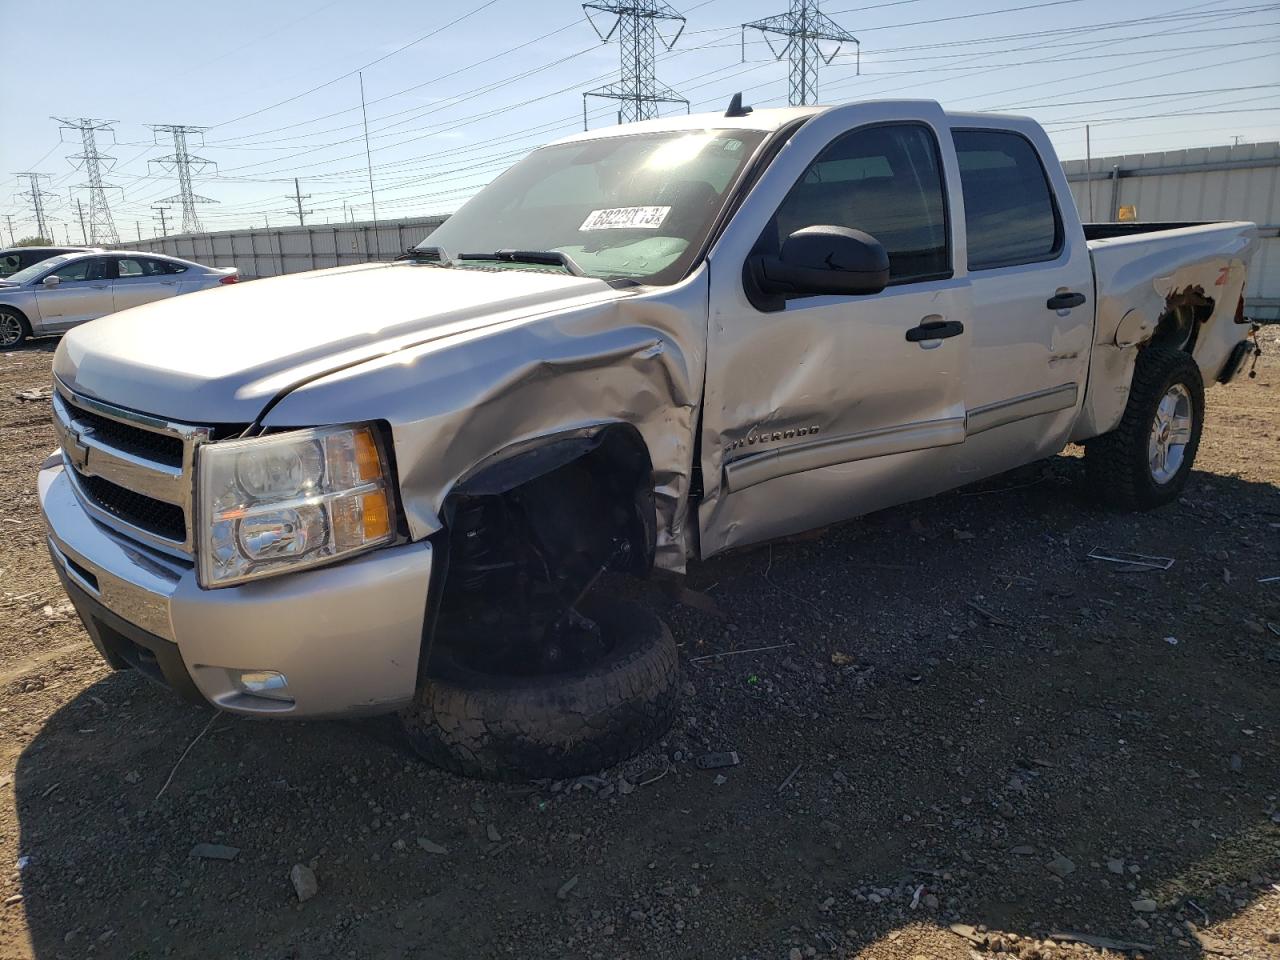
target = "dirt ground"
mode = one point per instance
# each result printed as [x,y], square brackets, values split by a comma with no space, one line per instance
[974,741]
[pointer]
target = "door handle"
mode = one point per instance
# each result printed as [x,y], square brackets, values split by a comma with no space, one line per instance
[1065,301]
[935,330]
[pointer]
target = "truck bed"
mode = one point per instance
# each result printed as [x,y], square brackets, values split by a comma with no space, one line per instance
[1106,231]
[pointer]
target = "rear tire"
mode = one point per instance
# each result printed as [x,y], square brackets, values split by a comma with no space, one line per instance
[551,725]
[14,328]
[1146,460]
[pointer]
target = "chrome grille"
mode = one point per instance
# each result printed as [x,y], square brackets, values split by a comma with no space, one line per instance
[131,471]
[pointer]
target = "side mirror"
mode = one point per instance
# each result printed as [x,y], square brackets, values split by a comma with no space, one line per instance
[819,260]
[52,280]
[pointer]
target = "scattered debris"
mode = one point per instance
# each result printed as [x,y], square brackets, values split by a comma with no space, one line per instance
[1171,641]
[839,659]
[37,393]
[713,761]
[969,933]
[214,851]
[430,847]
[1131,559]
[998,621]
[1060,866]
[203,731]
[720,780]
[1268,579]
[734,653]
[790,776]
[566,887]
[1101,943]
[304,882]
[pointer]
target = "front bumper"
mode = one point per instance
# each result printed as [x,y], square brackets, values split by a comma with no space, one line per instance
[346,638]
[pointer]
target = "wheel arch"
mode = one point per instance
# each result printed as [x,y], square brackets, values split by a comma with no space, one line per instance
[22,316]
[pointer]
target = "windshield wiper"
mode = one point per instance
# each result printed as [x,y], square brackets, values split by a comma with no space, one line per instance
[552,258]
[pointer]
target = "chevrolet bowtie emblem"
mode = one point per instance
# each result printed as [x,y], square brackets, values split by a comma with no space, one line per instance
[77,453]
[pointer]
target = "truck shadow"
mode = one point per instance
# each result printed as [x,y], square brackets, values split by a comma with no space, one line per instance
[969,715]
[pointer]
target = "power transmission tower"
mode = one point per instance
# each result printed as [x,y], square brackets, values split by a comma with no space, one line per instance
[298,197]
[35,196]
[164,223]
[181,161]
[802,27]
[637,89]
[102,229]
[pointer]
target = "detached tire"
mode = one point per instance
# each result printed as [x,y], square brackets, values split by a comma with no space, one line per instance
[1146,460]
[553,725]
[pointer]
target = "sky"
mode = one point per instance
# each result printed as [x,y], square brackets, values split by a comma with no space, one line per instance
[456,92]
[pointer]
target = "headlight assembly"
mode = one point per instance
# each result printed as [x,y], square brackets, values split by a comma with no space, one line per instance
[288,501]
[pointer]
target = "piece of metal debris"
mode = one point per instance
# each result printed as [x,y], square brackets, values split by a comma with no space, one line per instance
[214,851]
[790,776]
[1131,559]
[734,653]
[566,887]
[713,761]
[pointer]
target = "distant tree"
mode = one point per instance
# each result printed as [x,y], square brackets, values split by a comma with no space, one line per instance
[33,242]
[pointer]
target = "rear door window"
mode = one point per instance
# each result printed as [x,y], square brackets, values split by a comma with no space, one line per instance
[1009,211]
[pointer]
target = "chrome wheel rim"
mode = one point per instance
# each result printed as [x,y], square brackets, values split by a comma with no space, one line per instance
[10,330]
[1170,433]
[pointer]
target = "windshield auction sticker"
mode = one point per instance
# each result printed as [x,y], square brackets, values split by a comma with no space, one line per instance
[625,218]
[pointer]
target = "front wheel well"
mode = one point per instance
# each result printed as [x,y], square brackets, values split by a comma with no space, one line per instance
[529,534]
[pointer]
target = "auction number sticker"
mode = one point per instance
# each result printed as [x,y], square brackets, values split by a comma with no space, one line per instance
[625,218]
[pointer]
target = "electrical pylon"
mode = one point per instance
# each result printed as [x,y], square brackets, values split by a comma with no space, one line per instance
[802,27]
[637,89]
[102,229]
[35,196]
[181,161]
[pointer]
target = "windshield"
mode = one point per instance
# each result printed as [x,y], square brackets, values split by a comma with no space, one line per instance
[36,269]
[637,206]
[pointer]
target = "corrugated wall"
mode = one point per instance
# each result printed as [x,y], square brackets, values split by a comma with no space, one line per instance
[273,251]
[1208,183]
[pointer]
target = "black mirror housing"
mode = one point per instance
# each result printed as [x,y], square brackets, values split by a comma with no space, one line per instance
[819,260]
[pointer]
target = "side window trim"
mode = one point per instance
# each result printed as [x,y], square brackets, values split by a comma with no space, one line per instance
[1059,230]
[948,245]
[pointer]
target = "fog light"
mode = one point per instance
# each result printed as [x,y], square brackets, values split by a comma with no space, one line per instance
[263,683]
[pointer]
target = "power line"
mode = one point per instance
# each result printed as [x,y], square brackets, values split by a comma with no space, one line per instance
[352,73]
[102,229]
[637,89]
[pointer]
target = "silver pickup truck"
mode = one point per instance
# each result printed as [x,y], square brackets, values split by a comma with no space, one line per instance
[410,487]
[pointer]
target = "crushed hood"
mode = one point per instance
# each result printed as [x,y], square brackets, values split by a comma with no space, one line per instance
[219,355]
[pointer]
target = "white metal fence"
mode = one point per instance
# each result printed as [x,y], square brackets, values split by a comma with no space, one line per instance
[276,250]
[1208,183]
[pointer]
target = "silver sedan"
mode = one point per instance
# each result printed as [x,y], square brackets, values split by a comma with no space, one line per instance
[57,294]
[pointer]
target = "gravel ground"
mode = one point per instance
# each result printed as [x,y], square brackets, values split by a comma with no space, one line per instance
[975,741]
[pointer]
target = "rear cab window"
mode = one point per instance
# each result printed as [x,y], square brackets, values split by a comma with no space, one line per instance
[1010,214]
[886,181]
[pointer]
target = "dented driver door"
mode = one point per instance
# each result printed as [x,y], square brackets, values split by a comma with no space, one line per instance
[835,406]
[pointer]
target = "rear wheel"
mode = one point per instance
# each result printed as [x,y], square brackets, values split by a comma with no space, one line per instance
[1146,460]
[13,328]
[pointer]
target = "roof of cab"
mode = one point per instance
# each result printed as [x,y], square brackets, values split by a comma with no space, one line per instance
[767,119]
